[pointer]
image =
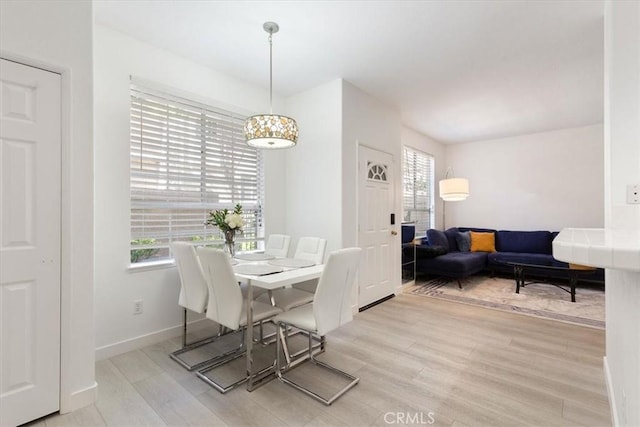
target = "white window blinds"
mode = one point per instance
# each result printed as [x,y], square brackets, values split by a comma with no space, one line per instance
[418,184]
[187,159]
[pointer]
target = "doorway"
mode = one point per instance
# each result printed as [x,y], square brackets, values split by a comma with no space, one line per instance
[376,234]
[30,238]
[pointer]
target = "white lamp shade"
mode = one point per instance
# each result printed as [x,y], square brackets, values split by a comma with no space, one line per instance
[454,189]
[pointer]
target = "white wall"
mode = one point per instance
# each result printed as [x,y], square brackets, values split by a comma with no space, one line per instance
[367,121]
[622,167]
[58,36]
[322,172]
[313,182]
[118,56]
[543,181]
[427,145]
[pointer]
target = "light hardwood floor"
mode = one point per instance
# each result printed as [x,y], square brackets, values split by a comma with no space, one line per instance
[418,359]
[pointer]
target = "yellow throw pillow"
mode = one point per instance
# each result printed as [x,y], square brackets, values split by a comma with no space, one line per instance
[580,267]
[482,242]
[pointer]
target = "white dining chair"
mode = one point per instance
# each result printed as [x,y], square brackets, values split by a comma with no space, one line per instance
[309,249]
[331,308]
[193,297]
[278,245]
[226,306]
[312,249]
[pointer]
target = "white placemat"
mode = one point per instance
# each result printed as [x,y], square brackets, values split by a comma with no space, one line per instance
[292,262]
[254,257]
[256,269]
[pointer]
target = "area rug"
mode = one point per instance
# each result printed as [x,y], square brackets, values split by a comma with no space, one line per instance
[537,299]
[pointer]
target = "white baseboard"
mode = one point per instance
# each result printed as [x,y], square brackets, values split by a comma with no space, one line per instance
[404,286]
[610,394]
[141,341]
[79,399]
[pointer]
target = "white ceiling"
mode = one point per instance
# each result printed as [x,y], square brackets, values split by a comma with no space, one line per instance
[458,71]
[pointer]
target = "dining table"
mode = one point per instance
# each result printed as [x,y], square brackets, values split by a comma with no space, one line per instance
[279,278]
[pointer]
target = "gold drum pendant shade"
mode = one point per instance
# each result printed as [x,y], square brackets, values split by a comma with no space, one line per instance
[271,130]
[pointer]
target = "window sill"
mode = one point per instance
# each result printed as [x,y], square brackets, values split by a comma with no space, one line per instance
[151,265]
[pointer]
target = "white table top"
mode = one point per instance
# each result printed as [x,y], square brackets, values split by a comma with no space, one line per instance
[599,247]
[286,278]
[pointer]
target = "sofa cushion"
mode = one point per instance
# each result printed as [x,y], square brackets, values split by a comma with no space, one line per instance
[482,242]
[464,241]
[451,234]
[425,251]
[438,238]
[453,264]
[534,242]
[558,263]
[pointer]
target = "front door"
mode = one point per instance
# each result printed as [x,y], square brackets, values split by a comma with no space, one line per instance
[30,185]
[376,195]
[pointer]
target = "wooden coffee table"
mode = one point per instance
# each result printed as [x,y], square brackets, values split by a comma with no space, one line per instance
[573,273]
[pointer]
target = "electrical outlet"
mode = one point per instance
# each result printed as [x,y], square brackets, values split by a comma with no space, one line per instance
[633,194]
[137,306]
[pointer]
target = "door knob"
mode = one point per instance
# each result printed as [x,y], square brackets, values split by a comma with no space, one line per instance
[394,233]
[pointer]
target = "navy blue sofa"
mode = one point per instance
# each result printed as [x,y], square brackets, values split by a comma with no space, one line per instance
[440,255]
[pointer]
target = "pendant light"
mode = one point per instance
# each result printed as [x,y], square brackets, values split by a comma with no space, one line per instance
[271,130]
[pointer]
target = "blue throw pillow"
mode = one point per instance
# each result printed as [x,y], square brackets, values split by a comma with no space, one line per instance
[464,241]
[451,234]
[437,238]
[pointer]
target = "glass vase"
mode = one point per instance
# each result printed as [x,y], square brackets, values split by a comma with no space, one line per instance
[229,242]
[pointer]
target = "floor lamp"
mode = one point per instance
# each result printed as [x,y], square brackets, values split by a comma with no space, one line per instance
[452,190]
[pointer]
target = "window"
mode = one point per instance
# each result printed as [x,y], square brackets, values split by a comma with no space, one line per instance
[418,181]
[187,159]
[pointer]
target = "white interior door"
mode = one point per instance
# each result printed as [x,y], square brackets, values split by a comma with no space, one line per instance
[30,186]
[375,206]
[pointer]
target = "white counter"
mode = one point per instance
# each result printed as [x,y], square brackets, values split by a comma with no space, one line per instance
[599,247]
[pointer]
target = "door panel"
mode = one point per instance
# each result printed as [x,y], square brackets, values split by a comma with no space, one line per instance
[30,150]
[375,205]
[17,194]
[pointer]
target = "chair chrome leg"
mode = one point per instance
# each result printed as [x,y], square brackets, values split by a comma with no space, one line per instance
[268,338]
[234,354]
[278,350]
[184,328]
[310,357]
[201,341]
[202,375]
[186,347]
[285,345]
[262,331]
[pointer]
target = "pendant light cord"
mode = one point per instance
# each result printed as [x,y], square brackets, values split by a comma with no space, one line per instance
[270,75]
